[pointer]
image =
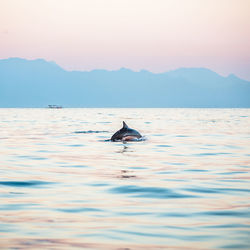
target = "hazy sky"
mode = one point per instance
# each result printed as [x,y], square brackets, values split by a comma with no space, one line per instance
[157,35]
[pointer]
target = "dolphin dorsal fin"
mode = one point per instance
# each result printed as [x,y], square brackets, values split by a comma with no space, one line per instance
[124,125]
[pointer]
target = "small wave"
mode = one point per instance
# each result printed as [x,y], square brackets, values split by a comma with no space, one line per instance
[79,210]
[159,135]
[217,190]
[149,192]
[226,213]
[212,154]
[239,225]
[91,132]
[23,183]
[166,235]
[236,246]
[164,146]
[16,206]
[74,166]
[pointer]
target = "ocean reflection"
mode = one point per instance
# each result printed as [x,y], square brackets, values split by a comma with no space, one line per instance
[64,184]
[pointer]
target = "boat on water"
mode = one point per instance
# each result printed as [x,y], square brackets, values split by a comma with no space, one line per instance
[53,106]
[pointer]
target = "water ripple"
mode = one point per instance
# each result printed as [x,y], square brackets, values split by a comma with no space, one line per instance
[236,246]
[216,190]
[79,210]
[170,236]
[24,183]
[150,192]
[91,132]
[16,207]
[231,213]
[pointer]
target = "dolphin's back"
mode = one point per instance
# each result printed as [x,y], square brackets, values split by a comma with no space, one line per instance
[124,132]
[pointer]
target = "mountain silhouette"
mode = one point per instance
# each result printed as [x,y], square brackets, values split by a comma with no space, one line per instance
[37,83]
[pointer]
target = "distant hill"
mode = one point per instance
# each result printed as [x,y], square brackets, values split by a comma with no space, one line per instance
[37,83]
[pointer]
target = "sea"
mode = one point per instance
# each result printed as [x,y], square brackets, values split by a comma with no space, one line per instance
[65,185]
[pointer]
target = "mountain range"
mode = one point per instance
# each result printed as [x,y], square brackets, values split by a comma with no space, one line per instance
[38,83]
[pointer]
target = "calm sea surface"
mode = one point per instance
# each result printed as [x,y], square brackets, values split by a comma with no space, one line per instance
[63,185]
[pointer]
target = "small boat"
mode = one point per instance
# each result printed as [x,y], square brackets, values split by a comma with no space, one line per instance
[54,106]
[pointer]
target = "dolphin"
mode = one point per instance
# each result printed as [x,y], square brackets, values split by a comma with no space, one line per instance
[125,134]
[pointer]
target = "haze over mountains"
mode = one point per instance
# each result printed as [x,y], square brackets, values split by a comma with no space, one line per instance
[38,83]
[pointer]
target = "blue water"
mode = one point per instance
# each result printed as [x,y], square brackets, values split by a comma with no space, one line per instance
[64,185]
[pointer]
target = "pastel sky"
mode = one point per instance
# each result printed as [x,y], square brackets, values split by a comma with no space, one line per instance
[157,35]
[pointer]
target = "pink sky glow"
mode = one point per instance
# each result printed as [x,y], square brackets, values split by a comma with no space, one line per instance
[157,35]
